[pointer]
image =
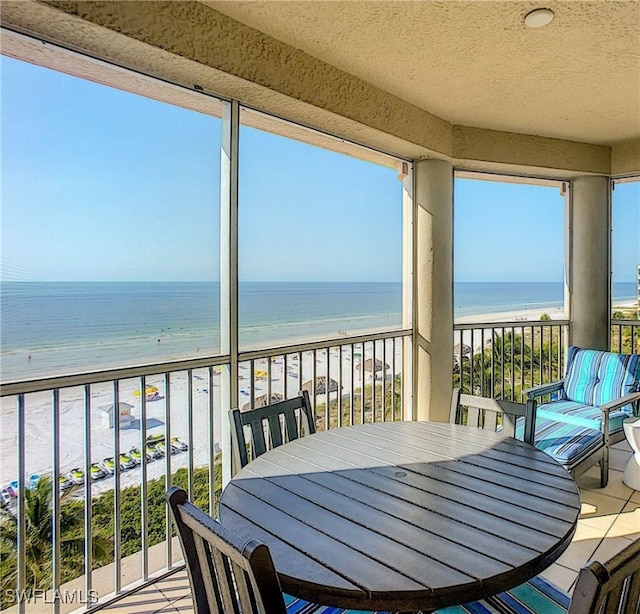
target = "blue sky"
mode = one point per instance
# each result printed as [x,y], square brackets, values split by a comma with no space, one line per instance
[102,185]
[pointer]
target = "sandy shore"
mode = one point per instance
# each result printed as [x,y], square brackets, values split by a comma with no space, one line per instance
[473,338]
[39,414]
[286,379]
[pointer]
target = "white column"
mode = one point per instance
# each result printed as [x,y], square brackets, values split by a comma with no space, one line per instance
[590,283]
[433,289]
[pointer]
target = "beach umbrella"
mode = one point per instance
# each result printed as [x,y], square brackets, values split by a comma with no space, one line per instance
[321,385]
[461,349]
[260,374]
[369,365]
[148,391]
[263,400]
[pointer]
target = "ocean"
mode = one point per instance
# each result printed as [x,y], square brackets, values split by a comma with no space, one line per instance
[59,328]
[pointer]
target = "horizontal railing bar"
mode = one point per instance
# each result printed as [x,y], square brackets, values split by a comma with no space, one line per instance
[625,323]
[320,345]
[107,375]
[511,324]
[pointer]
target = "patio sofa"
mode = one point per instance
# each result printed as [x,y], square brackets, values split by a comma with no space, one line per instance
[587,408]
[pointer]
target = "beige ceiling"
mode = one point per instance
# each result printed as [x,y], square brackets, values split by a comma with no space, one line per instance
[475,63]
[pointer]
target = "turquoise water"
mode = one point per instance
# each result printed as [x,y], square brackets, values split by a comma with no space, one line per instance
[56,328]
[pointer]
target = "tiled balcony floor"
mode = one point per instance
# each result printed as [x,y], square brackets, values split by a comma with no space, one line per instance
[610,519]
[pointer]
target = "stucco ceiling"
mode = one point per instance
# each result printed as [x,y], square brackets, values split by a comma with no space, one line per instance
[475,63]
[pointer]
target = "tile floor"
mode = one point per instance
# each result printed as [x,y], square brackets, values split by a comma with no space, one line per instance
[610,519]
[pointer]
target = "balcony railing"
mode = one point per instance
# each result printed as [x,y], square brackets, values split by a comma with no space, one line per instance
[625,336]
[72,449]
[503,359]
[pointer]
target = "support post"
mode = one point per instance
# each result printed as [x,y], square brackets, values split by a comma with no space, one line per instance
[433,289]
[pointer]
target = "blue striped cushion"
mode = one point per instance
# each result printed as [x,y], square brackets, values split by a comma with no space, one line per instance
[534,597]
[585,415]
[300,606]
[567,442]
[594,377]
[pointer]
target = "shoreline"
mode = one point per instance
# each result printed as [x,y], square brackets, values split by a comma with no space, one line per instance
[38,410]
[71,416]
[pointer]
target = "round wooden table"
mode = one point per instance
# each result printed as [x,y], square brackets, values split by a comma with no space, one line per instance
[404,515]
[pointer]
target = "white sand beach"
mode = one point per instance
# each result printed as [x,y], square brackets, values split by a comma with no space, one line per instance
[286,380]
[39,421]
[524,316]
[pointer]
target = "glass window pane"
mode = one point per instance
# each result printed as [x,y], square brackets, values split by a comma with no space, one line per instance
[626,249]
[110,226]
[320,241]
[508,251]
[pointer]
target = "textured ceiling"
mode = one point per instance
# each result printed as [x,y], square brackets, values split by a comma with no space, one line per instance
[475,63]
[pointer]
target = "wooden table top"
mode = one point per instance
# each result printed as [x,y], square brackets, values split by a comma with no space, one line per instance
[404,515]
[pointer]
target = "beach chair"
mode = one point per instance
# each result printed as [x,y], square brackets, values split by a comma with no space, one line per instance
[269,426]
[613,586]
[229,574]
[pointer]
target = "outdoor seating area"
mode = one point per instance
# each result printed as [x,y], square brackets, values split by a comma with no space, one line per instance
[608,523]
[587,408]
[274,333]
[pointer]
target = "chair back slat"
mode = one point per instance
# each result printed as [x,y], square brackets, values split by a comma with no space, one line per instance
[244,589]
[269,427]
[493,414]
[257,439]
[633,589]
[275,430]
[205,561]
[228,575]
[473,416]
[611,587]
[490,422]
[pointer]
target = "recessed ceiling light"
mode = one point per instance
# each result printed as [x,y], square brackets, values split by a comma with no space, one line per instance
[539,18]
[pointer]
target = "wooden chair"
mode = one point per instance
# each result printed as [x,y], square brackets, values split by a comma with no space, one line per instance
[230,575]
[493,414]
[602,588]
[283,421]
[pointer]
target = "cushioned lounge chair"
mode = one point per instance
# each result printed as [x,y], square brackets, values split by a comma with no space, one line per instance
[587,408]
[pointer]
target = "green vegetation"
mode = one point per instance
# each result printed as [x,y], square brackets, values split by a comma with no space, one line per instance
[511,363]
[39,517]
[623,338]
[521,358]
[381,398]
[39,549]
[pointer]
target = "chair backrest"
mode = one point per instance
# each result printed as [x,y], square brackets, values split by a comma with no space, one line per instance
[611,587]
[493,414]
[595,377]
[228,575]
[283,421]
